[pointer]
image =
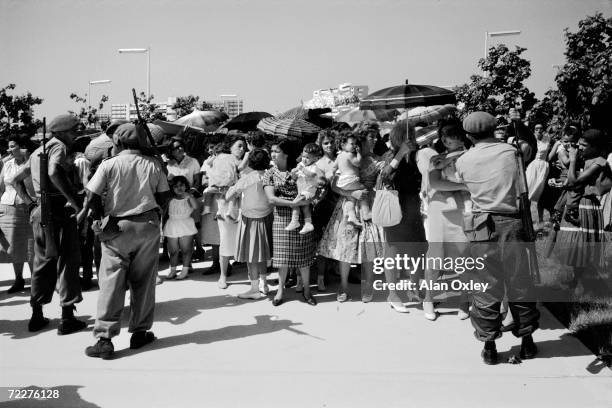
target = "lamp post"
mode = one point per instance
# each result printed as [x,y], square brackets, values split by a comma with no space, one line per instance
[101,81]
[496,34]
[141,51]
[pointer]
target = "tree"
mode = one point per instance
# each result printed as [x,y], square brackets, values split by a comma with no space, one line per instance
[501,88]
[185,104]
[585,80]
[87,112]
[17,113]
[149,110]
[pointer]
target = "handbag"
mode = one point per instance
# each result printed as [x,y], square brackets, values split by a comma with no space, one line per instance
[386,209]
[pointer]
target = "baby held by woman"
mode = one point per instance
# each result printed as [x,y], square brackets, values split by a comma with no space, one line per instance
[347,164]
[307,176]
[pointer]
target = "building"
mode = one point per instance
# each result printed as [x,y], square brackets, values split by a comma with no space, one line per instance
[229,104]
[128,111]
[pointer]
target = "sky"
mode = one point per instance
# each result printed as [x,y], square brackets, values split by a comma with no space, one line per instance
[272,53]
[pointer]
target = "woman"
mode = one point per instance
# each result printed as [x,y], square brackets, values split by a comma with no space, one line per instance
[181,164]
[290,248]
[348,243]
[409,235]
[254,239]
[582,247]
[209,229]
[16,245]
[447,202]
[236,148]
[323,210]
[537,171]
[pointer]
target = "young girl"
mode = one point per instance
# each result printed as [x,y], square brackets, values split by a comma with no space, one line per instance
[307,175]
[347,164]
[224,172]
[255,231]
[180,227]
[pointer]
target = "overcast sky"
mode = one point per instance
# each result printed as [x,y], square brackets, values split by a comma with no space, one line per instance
[272,53]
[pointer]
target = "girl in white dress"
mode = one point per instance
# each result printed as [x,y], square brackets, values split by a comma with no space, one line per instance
[537,171]
[180,227]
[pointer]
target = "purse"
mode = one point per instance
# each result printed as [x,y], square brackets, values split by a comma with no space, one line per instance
[386,209]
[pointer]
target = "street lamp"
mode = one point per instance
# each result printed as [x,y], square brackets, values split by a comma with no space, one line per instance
[101,81]
[141,51]
[496,34]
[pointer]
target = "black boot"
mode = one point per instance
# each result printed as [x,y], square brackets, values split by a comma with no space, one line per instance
[37,321]
[17,286]
[103,349]
[489,353]
[69,324]
[528,348]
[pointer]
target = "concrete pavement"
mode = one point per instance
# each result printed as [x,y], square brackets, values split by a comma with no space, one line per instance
[215,350]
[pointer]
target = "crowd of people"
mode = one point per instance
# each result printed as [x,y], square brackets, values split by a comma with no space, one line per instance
[299,208]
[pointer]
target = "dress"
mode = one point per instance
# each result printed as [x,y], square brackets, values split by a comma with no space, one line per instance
[537,171]
[290,249]
[345,242]
[180,223]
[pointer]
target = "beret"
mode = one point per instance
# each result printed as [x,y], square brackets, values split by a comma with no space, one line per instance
[130,135]
[114,125]
[63,123]
[479,122]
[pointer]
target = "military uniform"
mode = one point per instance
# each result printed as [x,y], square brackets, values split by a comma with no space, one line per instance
[130,237]
[63,266]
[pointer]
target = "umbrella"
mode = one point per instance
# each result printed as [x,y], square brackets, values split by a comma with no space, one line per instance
[295,127]
[246,121]
[173,128]
[355,116]
[407,96]
[310,115]
[208,120]
[428,114]
[423,136]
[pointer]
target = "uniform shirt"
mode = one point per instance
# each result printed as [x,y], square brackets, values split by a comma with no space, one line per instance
[10,196]
[130,180]
[489,171]
[57,154]
[188,167]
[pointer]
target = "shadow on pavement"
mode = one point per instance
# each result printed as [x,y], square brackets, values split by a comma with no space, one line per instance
[68,398]
[18,329]
[178,311]
[264,324]
[564,346]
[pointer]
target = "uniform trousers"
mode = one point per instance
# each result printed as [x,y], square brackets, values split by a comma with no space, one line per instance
[64,267]
[129,260]
[506,270]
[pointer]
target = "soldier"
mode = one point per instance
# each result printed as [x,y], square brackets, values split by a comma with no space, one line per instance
[490,172]
[136,187]
[63,203]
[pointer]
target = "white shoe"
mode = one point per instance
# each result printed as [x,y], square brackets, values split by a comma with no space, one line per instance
[172,273]
[292,226]
[263,287]
[222,284]
[399,307]
[183,273]
[308,227]
[428,311]
[462,314]
[251,294]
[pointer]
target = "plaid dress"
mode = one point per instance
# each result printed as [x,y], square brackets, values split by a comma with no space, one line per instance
[290,249]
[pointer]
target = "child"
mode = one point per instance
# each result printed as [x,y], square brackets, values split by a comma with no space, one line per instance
[223,173]
[347,164]
[213,151]
[180,227]
[570,199]
[307,175]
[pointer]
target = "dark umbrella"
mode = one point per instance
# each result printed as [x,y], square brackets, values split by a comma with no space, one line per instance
[246,121]
[407,96]
[309,115]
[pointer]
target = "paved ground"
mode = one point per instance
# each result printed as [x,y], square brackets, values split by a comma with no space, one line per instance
[215,350]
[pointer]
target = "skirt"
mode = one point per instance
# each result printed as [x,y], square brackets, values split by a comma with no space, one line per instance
[536,175]
[254,239]
[16,239]
[227,237]
[584,245]
[209,229]
[180,227]
[290,248]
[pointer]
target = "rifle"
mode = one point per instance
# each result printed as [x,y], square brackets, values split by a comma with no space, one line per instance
[143,123]
[525,206]
[46,216]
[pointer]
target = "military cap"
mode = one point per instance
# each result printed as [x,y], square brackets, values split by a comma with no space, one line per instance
[114,125]
[130,135]
[63,123]
[479,122]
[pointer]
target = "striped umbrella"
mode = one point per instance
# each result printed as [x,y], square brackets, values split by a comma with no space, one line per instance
[355,116]
[292,127]
[428,114]
[407,96]
[245,121]
[311,115]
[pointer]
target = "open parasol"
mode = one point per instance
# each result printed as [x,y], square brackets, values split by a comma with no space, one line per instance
[356,116]
[291,127]
[428,114]
[245,121]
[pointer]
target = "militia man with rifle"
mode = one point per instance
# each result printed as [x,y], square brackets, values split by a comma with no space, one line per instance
[498,233]
[129,230]
[56,237]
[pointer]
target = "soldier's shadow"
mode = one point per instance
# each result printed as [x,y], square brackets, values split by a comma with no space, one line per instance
[264,324]
[178,311]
